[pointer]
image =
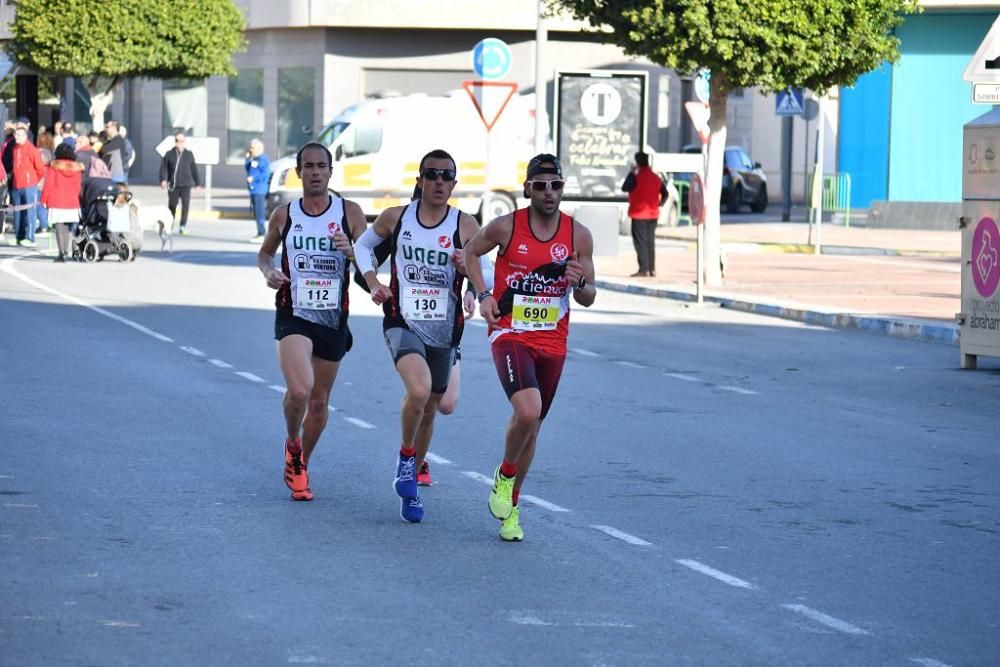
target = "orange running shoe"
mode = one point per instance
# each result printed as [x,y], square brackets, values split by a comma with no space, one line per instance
[296,475]
[303,495]
[424,475]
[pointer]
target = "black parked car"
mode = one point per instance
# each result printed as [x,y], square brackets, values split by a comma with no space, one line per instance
[743,180]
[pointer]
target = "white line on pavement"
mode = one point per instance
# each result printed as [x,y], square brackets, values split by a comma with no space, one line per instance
[250,376]
[6,477]
[120,624]
[629,364]
[586,353]
[825,619]
[544,504]
[277,387]
[219,363]
[359,422]
[440,460]
[625,537]
[715,574]
[738,390]
[681,376]
[8,267]
[534,500]
[193,351]
[21,505]
[929,662]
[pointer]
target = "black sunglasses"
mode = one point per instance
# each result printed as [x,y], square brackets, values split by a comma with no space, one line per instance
[432,174]
[541,186]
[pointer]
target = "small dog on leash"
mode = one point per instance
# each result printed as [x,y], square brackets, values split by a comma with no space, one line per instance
[157,219]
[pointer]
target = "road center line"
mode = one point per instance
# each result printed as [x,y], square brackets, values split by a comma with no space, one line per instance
[8,267]
[715,574]
[250,376]
[929,662]
[738,390]
[219,363]
[359,422]
[629,364]
[544,504]
[625,537]
[585,353]
[681,376]
[825,619]
[277,387]
[440,460]
[195,352]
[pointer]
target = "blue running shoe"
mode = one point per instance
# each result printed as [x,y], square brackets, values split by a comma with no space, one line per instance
[411,510]
[405,483]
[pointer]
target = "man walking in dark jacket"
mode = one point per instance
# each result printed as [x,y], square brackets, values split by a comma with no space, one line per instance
[113,152]
[178,174]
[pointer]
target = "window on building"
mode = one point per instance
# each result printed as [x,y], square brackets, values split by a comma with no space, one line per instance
[185,107]
[245,112]
[296,104]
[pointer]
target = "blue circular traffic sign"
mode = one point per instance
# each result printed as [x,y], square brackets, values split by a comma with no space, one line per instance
[491,59]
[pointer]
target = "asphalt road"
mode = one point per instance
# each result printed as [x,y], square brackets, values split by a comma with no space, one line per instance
[711,488]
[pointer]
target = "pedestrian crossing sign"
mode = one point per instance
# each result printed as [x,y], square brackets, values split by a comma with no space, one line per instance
[789,102]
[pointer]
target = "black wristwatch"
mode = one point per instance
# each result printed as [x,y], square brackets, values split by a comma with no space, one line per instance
[482,295]
[581,283]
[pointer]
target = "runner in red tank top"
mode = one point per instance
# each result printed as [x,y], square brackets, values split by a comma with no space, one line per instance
[543,256]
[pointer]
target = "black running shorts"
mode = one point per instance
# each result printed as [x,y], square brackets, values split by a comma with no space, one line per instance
[520,366]
[328,344]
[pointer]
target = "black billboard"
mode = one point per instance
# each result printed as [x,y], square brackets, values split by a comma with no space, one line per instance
[600,125]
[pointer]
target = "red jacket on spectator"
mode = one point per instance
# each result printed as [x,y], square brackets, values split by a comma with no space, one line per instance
[28,167]
[62,184]
[646,194]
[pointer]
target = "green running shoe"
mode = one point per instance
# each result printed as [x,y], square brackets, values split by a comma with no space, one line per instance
[501,501]
[510,530]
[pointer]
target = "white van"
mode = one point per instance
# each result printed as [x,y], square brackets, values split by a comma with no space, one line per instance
[377,145]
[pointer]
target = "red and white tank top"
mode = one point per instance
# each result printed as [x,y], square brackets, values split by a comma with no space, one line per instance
[530,286]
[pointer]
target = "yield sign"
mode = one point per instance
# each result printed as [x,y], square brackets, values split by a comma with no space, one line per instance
[490,98]
[699,113]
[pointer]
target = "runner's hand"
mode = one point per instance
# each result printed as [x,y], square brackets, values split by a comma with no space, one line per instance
[343,244]
[574,270]
[458,257]
[275,278]
[489,309]
[469,301]
[381,294]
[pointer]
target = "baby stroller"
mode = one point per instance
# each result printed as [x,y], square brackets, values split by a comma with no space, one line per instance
[105,227]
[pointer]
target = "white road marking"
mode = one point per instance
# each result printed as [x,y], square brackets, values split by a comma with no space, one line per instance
[526,619]
[6,477]
[219,363]
[440,460]
[715,574]
[8,267]
[250,376]
[277,387]
[193,351]
[625,537]
[544,504]
[629,364]
[479,478]
[929,662]
[738,390]
[586,353]
[359,422]
[825,619]
[20,505]
[120,624]
[306,660]
[681,376]
[530,618]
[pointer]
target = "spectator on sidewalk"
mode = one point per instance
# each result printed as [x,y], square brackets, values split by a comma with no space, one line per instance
[84,154]
[178,174]
[258,168]
[646,194]
[68,134]
[129,150]
[61,196]
[114,153]
[28,173]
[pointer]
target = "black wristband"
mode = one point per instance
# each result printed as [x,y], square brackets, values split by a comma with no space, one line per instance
[482,295]
[580,284]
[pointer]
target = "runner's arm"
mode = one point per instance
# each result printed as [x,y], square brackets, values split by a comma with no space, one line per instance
[493,235]
[582,265]
[265,256]
[364,251]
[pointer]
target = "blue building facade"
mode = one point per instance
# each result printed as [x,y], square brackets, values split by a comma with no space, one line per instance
[900,135]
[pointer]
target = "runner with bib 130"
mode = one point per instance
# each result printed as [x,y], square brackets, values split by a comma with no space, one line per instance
[310,325]
[543,255]
[422,304]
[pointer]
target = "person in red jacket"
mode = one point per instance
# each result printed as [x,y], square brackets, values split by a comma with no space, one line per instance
[61,195]
[646,194]
[27,174]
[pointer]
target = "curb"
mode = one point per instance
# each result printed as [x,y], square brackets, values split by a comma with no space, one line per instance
[897,327]
[220,214]
[807,249]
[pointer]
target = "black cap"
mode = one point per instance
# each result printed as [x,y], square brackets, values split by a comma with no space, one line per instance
[535,165]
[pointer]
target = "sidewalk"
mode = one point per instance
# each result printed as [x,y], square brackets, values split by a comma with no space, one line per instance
[896,282]
[904,283]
